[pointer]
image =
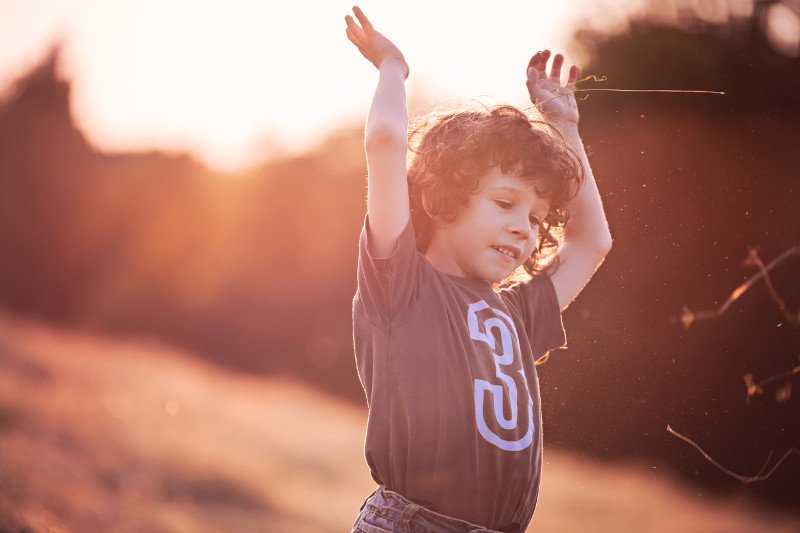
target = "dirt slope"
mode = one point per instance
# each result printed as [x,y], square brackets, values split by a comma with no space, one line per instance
[101,434]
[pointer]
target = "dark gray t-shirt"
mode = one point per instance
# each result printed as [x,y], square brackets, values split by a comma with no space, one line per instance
[447,365]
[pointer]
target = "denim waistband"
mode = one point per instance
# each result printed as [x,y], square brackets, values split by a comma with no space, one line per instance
[408,517]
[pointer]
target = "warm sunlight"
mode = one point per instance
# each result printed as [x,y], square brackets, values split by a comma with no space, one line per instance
[236,82]
[199,330]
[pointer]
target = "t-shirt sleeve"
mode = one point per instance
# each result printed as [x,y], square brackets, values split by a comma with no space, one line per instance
[388,287]
[538,307]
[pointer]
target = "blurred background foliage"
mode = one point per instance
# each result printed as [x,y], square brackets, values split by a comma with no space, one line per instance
[257,271]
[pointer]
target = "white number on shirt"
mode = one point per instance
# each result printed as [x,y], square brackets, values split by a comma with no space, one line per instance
[509,341]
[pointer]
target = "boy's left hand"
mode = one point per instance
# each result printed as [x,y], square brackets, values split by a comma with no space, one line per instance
[555,101]
[371,43]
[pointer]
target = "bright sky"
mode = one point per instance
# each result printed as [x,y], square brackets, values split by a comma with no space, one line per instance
[232,81]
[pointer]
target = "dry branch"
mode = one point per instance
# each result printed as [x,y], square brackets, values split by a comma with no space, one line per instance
[753,388]
[689,317]
[744,479]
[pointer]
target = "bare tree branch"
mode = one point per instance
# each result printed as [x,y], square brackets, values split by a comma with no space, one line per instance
[753,259]
[754,388]
[688,316]
[744,479]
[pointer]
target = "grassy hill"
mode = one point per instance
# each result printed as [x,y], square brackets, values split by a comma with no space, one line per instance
[111,434]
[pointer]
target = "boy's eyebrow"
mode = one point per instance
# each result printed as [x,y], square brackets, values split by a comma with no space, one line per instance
[507,188]
[511,188]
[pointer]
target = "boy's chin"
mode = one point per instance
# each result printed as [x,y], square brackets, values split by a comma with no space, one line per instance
[508,274]
[499,277]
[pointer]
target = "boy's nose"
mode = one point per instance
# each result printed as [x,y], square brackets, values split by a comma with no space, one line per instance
[522,231]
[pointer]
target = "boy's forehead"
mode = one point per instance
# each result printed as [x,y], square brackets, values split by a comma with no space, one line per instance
[496,177]
[496,180]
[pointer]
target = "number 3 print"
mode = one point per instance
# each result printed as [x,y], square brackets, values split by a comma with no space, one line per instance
[483,332]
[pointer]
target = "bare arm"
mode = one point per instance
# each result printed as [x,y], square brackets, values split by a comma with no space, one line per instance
[587,238]
[385,137]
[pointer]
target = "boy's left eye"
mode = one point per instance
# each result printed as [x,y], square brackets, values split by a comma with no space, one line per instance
[506,205]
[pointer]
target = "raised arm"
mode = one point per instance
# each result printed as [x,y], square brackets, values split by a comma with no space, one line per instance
[385,138]
[587,239]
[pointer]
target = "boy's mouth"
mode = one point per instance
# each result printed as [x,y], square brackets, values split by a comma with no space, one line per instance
[509,251]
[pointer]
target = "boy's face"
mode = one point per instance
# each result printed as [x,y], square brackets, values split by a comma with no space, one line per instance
[501,217]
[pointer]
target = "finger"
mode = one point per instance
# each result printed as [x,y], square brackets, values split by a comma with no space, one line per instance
[349,20]
[353,38]
[533,84]
[362,18]
[573,75]
[539,62]
[542,66]
[353,30]
[534,60]
[357,33]
[356,42]
[555,69]
[533,77]
[352,25]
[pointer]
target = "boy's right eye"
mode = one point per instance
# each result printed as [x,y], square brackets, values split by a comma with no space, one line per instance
[503,204]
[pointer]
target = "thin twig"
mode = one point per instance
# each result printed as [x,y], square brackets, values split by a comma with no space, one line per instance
[754,259]
[592,77]
[688,316]
[650,91]
[743,479]
[568,92]
[754,388]
[764,466]
[776,377]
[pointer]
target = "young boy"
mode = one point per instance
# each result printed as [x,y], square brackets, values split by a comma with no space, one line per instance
[447,357]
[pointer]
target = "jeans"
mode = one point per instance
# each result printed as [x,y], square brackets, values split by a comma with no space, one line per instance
[389,512]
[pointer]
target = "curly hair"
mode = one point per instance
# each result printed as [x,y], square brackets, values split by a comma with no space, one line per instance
[450,151]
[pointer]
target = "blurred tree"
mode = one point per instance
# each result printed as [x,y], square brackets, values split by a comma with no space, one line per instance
[689,182]
[258,272]
[253,271]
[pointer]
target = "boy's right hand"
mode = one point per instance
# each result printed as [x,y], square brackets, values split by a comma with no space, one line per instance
[372,45]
